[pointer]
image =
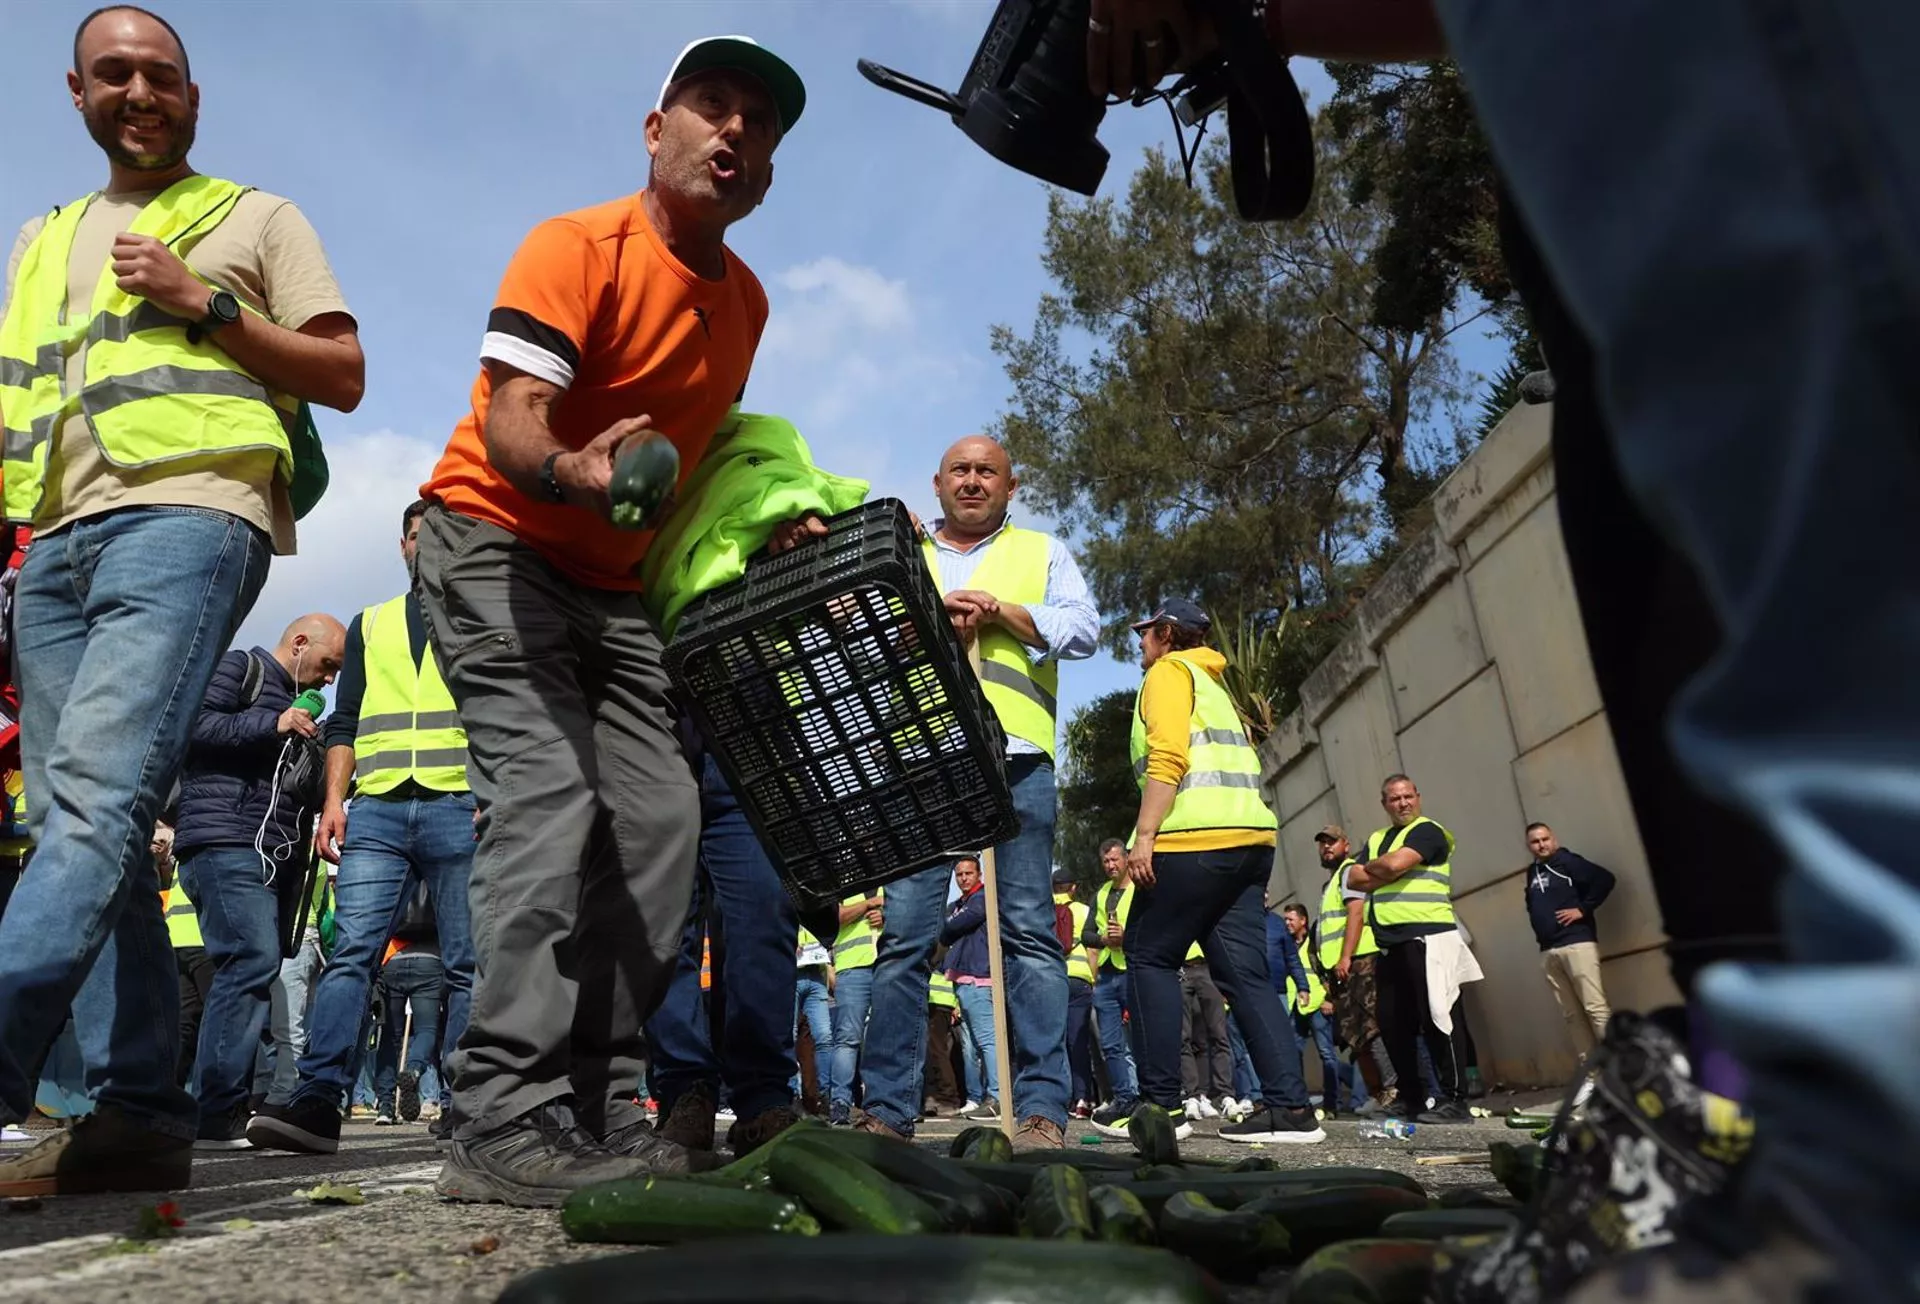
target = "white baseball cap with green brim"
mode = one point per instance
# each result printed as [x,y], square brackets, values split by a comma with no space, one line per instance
[747,55]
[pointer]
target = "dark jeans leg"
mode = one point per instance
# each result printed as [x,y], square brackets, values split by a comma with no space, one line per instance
[942,1086]
[196,979]
[1406,1024]
[1214,1051]
[1080,1037]
[1213,897]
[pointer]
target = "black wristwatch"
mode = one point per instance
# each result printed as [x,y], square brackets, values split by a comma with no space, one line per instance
[223,309]
[549,482]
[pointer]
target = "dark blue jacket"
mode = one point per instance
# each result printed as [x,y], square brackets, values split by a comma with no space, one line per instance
[965,934]
[1565,881]
[1283,958]
[227,782]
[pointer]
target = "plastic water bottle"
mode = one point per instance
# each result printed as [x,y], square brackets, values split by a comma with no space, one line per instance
[1391,1129]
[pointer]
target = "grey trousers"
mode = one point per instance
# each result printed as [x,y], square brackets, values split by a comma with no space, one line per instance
[590,820]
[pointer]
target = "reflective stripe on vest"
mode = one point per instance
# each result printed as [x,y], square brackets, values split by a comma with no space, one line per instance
[1078,965]
[1330,929]
[148,394]
[857,945]
[408,726]
[1024,695]
[183,921]
[940,991]
[1316,991]
[1221,788]
[1422,895]
[1105,911]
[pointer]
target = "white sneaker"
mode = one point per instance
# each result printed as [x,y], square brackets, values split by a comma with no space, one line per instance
[385,1119]
[1193,1107]
[1206,1107]
[968,1109]
[723,1116]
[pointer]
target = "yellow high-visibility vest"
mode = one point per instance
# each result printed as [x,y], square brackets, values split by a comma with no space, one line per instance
[183,920]
[1422,895]
[409,728]
[1113,955]
[1078,965]
[940,991]
[149,394]
[1316,990]
[1024,695]
[857,946]
[1330,929]
[1221,788]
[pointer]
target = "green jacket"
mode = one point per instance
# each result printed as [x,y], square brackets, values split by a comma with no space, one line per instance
[754,477]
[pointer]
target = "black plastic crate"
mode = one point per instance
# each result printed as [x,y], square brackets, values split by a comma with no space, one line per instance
[840,706]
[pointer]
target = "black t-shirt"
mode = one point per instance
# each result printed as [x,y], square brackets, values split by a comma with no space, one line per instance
[1431,843]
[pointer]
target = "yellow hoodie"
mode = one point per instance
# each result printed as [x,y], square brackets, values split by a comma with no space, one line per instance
[1166,707]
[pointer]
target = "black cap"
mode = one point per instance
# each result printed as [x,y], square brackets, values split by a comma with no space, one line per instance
[749,56]
[1177,611]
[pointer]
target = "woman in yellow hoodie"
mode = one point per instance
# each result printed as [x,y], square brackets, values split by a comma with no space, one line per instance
[1200,857]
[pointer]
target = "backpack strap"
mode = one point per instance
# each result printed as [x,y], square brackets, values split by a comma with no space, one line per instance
[251,681]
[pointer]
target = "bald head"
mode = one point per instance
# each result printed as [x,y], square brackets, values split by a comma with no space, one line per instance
[974,484]
[312,649]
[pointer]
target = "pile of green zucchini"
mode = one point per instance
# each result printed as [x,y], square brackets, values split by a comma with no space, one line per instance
[1044,1227]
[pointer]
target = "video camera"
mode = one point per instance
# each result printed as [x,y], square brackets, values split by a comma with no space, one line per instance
[1025,101]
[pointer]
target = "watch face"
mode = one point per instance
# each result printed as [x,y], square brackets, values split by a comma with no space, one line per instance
[224,306]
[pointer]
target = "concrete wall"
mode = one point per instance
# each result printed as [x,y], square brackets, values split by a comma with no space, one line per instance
[1467,669]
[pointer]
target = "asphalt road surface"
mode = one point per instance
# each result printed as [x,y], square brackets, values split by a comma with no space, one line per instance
[251,1237]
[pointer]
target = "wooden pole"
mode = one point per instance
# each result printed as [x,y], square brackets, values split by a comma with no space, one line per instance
[996,966]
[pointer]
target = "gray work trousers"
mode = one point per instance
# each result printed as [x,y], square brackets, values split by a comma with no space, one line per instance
[590,819]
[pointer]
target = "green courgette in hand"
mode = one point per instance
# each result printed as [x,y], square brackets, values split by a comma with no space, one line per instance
[668,1211]
[1365,1272]
[1438,1224]
[1119,1218]
[1056,1207]
[1152,1131]
[645,471]
[874,1270]
[1231,1242]
[848,1194]
[987,1208]
[1315,1218]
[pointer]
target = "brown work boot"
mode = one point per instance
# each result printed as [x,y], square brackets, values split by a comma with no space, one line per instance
[868,1123]
[749,1134]
[103,1151]
[689,1124]
[1036,1133]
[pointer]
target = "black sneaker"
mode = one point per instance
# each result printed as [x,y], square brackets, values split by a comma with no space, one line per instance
[306,1125]
[408,1086]
[103,1151]
[654,1152]
[227,1131]
[533,1162]
[1112,1117]
[1447,1111]
[441,1129]
[1283,1126]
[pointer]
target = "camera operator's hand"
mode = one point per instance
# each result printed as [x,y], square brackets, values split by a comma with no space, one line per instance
[1132,44]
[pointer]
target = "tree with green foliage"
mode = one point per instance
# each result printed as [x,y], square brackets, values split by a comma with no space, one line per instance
[1098,797]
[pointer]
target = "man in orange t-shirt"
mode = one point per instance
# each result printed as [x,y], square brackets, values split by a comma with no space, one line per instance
[630,316]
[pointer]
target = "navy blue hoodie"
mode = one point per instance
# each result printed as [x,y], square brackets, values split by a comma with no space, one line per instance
[1565,881]
[965,934]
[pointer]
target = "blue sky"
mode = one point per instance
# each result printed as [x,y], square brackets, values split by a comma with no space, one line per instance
[424,137]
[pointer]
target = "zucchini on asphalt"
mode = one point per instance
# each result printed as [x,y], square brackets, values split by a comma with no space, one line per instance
[1230,1190]
[1438,1224]
[1056,1207]
[1317,1218]
[1119,1218]
[874,1270]
[987,1208]
[848,1194]
[1232,1242]
[668,1211]
[1365,1272]
[1154,1134]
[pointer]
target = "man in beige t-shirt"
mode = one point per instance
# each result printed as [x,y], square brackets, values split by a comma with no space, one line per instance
[159,502]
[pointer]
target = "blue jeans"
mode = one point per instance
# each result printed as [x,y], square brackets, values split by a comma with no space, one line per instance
[287,1015]
[755,973]
[812,1004]
[1214,898]
[976,1021]
[391,843]
[1749,391]
[1333,1073]
[1036,976]
[1246,1083]
[1112,998]
[412,981]
[119,621]
[852,1001]
[240,925]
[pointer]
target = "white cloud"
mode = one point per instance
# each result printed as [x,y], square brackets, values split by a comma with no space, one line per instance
[349,554]
[829,301]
